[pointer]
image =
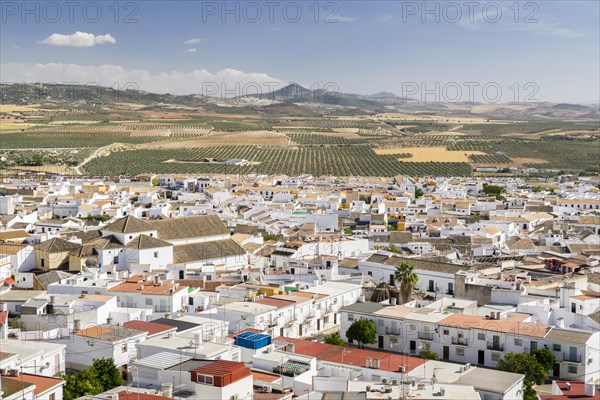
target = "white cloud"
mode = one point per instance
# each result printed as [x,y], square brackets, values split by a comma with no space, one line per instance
[227,82]
[341,18]
[191,50]
[193,41]
[78,39]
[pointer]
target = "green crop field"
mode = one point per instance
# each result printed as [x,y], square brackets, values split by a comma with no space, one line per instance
[339,160]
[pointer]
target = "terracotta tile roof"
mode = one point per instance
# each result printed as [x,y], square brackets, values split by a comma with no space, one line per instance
[512,325]
[111,333]
[352,356]
[189,227]
[577,391]
[152,328]
[124,395]
[56,245]
[128,224]
[219,368]
[265,376]
[166,289]
[42,383]
[207,250]
[275,302]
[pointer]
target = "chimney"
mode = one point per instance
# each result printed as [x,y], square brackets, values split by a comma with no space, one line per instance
[560,322]
[168,315]
[392,301]
[368,362]
[166,389]
[198,339]
[52,299]
[376,363]
[109,320]
[76,325]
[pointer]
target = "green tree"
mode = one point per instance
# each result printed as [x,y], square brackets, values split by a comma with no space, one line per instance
[362,331]
[407,279]
[335,339]
[154,181]
[84,383]
[493,190]
[348,231]
[15,323]
[429,355]
[545,358]
[529,392]
[107,372]
[418,193]
[394,249]
[526,364]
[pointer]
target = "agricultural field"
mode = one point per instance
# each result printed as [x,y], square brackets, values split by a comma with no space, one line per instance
[157,137]
[339,161]
[431,154]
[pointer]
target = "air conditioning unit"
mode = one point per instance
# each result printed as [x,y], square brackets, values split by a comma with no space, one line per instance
[401,369]
[394,382]
[12,372]
[442,391]
[384,381]
[234,397]
[266,389]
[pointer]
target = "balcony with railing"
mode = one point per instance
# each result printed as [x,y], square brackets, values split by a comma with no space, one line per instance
[495,346]
[460,341]
[574,358]
[425,336]
[393,331]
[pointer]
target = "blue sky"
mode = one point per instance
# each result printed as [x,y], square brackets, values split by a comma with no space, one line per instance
[547,50]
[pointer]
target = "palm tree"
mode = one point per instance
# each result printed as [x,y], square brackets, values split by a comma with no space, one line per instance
[407,279]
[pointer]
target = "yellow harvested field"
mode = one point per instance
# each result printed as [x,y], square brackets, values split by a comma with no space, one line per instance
[11,108]
[528,160]
[430,154]
[345,130]
[449,133]
[53,169]
[152,132]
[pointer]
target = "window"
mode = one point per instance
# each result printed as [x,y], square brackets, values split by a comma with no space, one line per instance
[43,262]
[460,351]
[124,348]
[156,254]
[380,322]
[115,259]
[572,369]
[533,345]
[518,342]
[51,397]
[425,346]
[148,301]
[481,336]
[350,317]
[205,379]
[495,356]
[446,331]
[556,347]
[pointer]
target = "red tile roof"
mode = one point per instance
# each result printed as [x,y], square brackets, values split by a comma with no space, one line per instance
[352,356]
[577,391]
[219,368]
[123,395]
[279,303]
[153,328]
[42,383]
